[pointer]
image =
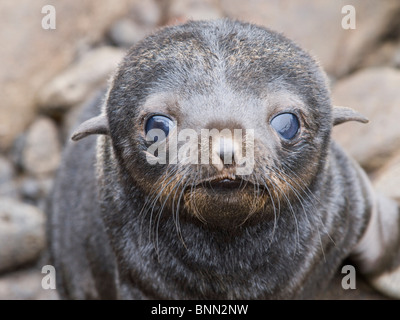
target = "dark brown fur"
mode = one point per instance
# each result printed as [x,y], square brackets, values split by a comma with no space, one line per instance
[128,229]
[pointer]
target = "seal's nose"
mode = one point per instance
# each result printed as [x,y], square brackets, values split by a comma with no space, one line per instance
[225,149]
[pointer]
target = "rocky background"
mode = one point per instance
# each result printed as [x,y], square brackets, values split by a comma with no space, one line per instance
[45,75]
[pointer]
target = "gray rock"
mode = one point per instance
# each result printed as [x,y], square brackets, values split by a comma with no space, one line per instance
[396,57]
[74,84]
[7,184]
[17,150]
[42,152]
[35,189]
[6,170]
[9,189]
[375,93]
[125,33]
[387,179]
[25,285]
[22,233]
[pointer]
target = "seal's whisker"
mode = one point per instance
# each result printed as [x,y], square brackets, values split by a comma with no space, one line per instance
[160,211]
[177,224]
[163,185]
[160,182]
[168,179]
[265,181]
[277,208]
[301,200]
[256,189]
[175,210]
[315,216]
[282,192]
[311,196]
[276,214]
[175,213]
[303,186]
[193,203]
[153,197]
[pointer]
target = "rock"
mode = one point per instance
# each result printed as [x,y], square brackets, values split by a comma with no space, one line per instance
[74,84]
[125,33]
[387,179]
[9,189]
[396,57]
[32,55]
[386,55]
[25,285]
[22,233]
[6,170]
[35,189]
[182,10]
[17,150]
[375,93]
[42,151]
[316,26]
[147,13]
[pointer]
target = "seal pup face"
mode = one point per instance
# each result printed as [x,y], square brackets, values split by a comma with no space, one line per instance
[267,99]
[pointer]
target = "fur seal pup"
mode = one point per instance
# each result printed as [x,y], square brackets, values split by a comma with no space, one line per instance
[123,227]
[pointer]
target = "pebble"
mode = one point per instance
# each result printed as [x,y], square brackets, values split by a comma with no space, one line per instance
[7,183]
[125,33]
[6,170]
[22,233]
[73,85]
[42,151]
[25,285]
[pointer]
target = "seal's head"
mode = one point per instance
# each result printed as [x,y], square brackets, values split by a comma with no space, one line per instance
[221,121]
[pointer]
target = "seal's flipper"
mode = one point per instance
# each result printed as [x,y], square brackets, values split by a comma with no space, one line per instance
[96,125]
[344,114]
[388,283]
[386,278]
[378,252]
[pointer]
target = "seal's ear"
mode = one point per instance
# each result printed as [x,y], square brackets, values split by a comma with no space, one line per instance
[344,114]
[96,125]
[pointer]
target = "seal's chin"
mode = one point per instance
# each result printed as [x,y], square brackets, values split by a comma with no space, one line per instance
[225,203]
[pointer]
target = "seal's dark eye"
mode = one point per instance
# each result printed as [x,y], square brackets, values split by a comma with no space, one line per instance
[158,122]
[286,124]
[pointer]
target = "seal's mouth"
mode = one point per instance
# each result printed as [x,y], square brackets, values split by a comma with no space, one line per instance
[226,184]
[225,201]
